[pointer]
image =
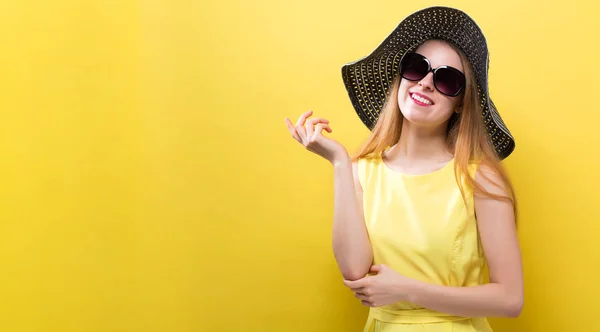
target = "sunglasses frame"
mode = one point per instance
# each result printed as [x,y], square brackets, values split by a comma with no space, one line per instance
[434,70]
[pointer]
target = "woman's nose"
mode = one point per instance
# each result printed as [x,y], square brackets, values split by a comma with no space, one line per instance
[427,81]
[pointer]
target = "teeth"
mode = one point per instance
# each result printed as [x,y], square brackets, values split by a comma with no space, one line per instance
[423,100]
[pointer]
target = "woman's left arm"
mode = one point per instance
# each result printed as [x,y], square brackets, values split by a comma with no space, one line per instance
[503,296]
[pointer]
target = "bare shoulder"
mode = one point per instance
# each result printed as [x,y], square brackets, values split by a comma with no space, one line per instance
[496,207]
[357,184]
[490,180]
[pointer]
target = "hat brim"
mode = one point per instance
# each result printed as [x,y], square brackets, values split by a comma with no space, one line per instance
[368,79]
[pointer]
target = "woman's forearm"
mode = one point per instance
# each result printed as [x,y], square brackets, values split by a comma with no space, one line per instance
[489,300]
[351,244]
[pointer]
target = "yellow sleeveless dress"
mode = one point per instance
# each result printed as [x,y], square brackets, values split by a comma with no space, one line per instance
[420,227]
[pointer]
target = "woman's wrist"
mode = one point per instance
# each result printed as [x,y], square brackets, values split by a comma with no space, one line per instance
[412,290]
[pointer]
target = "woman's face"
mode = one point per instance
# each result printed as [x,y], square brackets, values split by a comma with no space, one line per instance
[437,108]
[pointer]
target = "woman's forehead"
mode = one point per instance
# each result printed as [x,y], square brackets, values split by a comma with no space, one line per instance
[440,53]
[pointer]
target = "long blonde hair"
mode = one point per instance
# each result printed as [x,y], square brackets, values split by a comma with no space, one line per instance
[466,136]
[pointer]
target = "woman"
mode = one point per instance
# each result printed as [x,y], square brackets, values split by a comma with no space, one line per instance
[425,204]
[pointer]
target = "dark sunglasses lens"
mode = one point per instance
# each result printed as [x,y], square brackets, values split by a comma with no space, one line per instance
[414,67]
[449,81]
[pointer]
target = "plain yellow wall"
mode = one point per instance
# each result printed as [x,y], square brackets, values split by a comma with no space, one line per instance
[148,182]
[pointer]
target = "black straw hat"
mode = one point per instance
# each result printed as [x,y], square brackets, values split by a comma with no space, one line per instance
[368,79]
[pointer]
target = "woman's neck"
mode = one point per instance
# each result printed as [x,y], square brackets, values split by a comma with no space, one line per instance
[418,144]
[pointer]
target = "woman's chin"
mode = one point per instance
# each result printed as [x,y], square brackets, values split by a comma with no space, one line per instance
[417,117]
[423,117]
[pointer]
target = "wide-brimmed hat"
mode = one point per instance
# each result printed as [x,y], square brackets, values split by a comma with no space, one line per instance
[368,80]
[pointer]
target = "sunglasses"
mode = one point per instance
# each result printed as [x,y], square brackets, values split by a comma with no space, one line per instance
[447,80]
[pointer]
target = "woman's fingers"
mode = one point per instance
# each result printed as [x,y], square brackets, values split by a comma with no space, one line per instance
[310,130]
[292,130]
[319,128]
[300,124]
[315,120]
[303,117]
[306,129]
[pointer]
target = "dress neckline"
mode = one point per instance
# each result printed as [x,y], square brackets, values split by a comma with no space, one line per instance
[416,175]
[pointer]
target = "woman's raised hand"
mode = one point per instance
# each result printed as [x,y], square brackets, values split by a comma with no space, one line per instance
[308,132]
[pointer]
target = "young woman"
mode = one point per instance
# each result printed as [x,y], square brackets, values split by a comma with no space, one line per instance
[425,204]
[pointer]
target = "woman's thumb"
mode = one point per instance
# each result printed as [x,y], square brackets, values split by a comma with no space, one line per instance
[375,268]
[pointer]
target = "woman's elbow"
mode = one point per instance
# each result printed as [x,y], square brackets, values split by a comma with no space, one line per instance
[355,274]
[514,306]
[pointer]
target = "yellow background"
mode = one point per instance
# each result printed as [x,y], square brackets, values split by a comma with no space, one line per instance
[148,181]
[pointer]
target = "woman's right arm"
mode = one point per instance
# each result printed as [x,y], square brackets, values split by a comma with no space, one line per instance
[351,245]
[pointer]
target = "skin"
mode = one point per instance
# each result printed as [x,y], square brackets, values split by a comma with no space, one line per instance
[422,149]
